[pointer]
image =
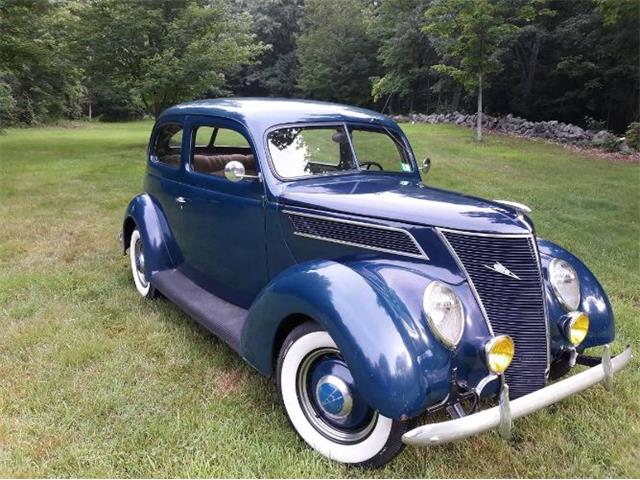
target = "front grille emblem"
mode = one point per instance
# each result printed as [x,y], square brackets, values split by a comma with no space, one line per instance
[499,268]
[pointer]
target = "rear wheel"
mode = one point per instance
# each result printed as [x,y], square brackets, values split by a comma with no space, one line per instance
[138,268]
[325,407]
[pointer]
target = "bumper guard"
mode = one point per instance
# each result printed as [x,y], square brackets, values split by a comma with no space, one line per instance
[503,415]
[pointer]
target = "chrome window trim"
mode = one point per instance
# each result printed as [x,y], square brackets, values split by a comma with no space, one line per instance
[422,254]
[475,292]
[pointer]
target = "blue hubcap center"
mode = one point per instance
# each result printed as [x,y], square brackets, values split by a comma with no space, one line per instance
[334,396]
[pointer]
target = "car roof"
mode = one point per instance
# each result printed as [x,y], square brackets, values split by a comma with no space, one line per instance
[260,114]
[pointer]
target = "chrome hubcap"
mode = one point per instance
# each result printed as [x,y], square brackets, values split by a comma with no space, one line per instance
[334,396]
[330,399]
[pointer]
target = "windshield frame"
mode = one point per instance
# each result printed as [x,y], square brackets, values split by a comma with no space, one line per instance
[395,137]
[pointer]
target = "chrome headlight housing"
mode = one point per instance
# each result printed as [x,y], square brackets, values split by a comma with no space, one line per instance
[565,283]
[444,313]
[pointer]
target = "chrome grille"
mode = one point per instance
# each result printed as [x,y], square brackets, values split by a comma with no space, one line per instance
[513,307]
[375,237]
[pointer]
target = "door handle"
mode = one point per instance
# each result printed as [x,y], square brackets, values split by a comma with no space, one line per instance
[182,200]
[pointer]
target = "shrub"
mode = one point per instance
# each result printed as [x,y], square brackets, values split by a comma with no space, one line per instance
[612,144]
[633,135]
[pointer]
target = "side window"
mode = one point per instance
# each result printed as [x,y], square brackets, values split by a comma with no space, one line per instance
[230,138]
[204,136]
[168,145]
[377,151]
[213,147]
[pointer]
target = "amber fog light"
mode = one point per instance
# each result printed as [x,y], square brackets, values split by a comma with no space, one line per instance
[576,327]
[499,351]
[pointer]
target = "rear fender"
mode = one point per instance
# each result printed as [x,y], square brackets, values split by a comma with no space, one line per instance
[160,248]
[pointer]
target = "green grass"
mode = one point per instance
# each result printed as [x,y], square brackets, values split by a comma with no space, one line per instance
[95,381]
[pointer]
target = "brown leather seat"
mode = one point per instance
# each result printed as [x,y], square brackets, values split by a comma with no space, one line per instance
[214,164]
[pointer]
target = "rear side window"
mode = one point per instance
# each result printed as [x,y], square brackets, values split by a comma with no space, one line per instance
[214,147]
[204,136]
[230,138]
[167,147]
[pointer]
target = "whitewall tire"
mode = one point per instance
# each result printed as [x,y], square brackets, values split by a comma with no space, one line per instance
[324,406]
[136,256]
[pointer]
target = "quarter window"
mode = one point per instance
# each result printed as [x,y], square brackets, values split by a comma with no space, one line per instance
[168,145]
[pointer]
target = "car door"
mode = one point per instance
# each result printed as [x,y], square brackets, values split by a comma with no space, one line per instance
[223,221]
[165,172]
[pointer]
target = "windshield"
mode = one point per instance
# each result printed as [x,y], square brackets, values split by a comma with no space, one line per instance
[306,151]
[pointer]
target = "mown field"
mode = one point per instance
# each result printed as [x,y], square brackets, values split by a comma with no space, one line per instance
[95,381]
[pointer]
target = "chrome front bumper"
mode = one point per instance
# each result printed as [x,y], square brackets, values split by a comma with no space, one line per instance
[502,415]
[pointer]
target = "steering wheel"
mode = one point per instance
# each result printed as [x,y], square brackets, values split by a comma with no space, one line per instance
[369,164]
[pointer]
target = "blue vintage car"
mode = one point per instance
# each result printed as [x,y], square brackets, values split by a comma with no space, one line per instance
[301,234]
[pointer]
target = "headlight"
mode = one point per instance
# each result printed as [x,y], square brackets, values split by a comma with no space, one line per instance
[499,352]
[565,283]
[576,327]
[444,313]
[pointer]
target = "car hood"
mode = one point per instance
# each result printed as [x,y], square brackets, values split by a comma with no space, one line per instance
[402,200]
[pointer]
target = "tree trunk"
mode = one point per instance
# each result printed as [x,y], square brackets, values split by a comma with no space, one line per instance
[479,120]
[457,93]
[532,65]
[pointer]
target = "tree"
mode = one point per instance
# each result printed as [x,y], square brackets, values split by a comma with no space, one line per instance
[471,33]
[405,53]
[38,79]
[162,52]
[276,24]
[336,53]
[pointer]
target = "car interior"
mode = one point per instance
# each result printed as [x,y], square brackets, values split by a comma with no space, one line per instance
[215,147]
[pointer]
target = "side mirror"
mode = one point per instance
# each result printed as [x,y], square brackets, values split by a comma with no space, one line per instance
[234,171]
[426,165]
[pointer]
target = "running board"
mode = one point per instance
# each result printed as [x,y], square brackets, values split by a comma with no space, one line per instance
[222,318]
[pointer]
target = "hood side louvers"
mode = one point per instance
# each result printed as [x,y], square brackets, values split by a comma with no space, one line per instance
[358,234]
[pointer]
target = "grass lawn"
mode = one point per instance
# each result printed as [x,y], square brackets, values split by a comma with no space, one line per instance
[95,381]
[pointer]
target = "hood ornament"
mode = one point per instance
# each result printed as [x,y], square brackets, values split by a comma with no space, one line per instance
[499,268]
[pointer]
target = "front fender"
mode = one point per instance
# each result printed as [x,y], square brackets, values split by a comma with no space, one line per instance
[594,300]
[398,366]
[161,251]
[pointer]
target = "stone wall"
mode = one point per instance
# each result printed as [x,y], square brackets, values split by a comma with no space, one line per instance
[551,130]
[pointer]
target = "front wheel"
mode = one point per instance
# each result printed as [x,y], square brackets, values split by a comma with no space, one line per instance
[324,406]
